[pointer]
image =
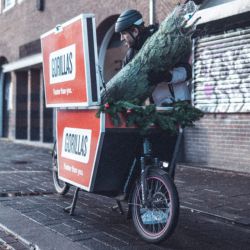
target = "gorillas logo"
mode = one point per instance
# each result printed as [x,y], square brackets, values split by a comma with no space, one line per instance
[76,144]
[62,64]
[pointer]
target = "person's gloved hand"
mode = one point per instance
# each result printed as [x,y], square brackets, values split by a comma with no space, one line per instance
[155,77]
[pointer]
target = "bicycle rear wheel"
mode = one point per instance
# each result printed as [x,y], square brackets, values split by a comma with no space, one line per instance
[156,220]
[61,187]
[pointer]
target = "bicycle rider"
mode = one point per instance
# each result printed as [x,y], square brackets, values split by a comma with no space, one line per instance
[170,85]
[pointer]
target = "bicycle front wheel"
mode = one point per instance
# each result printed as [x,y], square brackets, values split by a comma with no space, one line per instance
[157,219]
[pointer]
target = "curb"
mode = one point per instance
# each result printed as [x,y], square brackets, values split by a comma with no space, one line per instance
[219,217]
[32,233]
[213,170]
[29,245]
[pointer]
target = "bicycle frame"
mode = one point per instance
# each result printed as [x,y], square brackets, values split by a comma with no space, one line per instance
[154,162]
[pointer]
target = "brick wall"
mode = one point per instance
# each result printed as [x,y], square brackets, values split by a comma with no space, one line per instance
[220,141]
[163,8]
[23,23]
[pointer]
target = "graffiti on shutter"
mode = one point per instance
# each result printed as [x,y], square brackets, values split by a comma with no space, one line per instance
[221,72]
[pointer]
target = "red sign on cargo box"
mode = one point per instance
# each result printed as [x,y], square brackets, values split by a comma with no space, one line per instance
[69,64]
[78,136]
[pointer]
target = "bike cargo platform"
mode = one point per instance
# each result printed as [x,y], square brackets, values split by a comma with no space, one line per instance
[96,156]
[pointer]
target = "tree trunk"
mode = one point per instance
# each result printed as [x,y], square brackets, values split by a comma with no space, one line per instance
[159,53]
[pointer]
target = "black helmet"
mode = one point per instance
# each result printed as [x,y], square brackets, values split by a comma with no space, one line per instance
[128,19]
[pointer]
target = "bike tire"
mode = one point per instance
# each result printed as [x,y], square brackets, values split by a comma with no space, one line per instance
[61,187]
[151,229]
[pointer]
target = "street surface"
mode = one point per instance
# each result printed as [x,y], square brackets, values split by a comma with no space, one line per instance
[32,216]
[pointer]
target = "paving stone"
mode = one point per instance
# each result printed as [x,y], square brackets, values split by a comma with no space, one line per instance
[19,246]
[221,191]
[82,236]
[244,220]
[64,229]
[95,226]
[95,243]
[9,241]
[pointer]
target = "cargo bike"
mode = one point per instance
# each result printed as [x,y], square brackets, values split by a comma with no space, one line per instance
[92,154]
[136,168]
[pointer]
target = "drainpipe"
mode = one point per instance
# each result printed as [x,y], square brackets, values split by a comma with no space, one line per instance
[1,101]
[151,11]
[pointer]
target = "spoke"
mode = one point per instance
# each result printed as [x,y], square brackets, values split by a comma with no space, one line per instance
[153,223]
[156,186]
[166,194]
[161,226]
[150,189]
[157,224]
[160,208]
[135,204]
[159,188]
[151,185]
[139,196]
[148,227]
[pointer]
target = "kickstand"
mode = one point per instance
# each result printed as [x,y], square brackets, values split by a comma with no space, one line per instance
[70,209]
[118,207]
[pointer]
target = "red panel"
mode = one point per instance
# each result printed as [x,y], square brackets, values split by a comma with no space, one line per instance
[69,91]
[78,133]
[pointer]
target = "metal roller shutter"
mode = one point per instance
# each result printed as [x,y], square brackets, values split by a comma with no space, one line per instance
[221,72]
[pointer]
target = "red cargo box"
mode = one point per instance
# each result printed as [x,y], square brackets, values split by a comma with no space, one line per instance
[70,64]
[90,153]
[96,156]
[78,137]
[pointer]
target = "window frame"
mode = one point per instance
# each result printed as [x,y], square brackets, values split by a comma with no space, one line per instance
[4,9]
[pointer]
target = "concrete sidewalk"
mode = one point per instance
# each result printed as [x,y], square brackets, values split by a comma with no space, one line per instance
[224,194]
[27,196]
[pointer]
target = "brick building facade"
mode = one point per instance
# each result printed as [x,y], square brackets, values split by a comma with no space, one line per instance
[221,86]
[220,139]
[21,24]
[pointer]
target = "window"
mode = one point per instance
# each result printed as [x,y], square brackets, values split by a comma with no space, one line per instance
[8,4]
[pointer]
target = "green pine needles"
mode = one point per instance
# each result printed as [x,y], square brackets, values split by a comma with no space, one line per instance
[144,117]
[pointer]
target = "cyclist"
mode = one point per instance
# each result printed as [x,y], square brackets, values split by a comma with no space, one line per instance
[170,85]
